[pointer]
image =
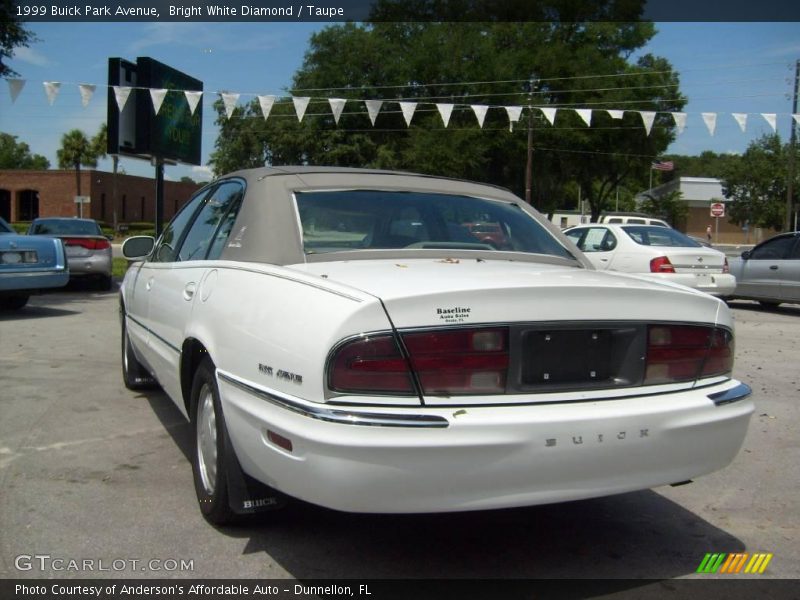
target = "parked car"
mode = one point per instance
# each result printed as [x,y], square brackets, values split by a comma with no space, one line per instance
[332,337]
[634,219]
[28,265]
[770,272]
[88,250]
[655,251]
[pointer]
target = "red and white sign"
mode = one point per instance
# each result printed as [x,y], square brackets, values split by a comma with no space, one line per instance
[717,210]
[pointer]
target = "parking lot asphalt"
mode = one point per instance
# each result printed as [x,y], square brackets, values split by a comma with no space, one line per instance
[92,471]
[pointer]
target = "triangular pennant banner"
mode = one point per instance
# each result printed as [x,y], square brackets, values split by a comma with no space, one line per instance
[157,96]
[229,100]
[514,113]
[445,110]
[710,121]
[266,103]
[549,114]
[300,106]
[648,117]
[480,113]
[772,119]
[408,109]
[193,99]
[741,119]
[586,115]
[796,118]
[121,94]
[51,88]
[15,87]
[87,91]
[616,114]
[680,121]
[373,108]
[337,106]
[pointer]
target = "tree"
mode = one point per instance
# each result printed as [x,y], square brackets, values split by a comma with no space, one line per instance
[17,155]
[669,207]
[12,35]
[438,62]
[757,184]
[76,151]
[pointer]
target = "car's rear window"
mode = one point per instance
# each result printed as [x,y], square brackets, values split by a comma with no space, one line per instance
[348,220]
[654,235]
[62,227]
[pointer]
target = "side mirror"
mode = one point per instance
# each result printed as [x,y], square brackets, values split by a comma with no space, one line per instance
[746,255]
[138,247]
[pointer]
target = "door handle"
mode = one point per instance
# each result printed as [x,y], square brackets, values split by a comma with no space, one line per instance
[149,285]
[773,267]
[189,290]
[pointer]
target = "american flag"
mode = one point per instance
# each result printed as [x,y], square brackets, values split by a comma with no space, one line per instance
[663,165]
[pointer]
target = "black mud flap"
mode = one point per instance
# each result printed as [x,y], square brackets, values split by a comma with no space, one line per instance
[247,496]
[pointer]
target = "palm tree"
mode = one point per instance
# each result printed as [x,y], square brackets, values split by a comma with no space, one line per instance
[76,150]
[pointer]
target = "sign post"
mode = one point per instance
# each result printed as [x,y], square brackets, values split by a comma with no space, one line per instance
[80,201]
[717,212]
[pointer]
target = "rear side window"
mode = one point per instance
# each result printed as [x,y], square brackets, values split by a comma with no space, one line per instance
[353,220]
[166,248]
[203,232]
[773,249]
[653,235]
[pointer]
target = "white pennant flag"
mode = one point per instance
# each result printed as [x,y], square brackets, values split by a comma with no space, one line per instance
[337,106]
[514,113]
[121,94]
[796,118]
[266,103]
[15,87]
[157,96]
[373,108]
[586,115]
[741,119]
[300,106]
[648,117]
[229,100]
[480,113]
[711,121]
[550,114]
[680,121]
[193,99]
[87,91]
[445,110]
[408,109]
[772,119]
[51,88]
[616,114]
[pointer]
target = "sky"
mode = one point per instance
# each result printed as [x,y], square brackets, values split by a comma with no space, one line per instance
[724,68]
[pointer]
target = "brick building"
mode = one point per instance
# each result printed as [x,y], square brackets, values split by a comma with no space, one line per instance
[27,194]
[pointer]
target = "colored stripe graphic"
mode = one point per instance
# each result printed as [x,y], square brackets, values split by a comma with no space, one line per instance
[734,563]
[711,563]
[758,564]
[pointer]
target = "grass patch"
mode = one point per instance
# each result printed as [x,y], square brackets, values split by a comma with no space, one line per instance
[118,267]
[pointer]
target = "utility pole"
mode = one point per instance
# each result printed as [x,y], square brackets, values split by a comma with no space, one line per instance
[529,165]
[792,151]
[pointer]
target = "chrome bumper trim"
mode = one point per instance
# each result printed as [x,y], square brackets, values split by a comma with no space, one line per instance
[740,392]
[344,417]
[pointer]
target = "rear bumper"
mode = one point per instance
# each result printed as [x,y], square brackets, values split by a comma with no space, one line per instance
[721,284]
[32,280]
[484,457]
[83,266]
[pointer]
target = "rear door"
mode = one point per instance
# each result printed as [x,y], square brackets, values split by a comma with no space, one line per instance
[598,244]
[766,268]
[790,274]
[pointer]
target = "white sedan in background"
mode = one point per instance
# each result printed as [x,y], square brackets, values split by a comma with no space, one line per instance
[658,252]
[344,337]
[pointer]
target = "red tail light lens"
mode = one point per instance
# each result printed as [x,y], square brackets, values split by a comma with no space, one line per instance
[468,361]
[725,267]
[661,265]
[370,365]
[685,352]
[88,243]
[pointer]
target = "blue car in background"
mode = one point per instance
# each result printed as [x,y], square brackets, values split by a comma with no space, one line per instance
[28,264]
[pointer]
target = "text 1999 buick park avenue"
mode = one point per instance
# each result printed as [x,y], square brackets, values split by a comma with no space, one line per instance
[345,337]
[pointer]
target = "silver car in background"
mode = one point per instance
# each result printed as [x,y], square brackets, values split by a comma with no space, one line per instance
[770,272]
[88,250]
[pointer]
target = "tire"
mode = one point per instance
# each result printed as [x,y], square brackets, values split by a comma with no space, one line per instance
[13,302]
[134,375]
[208,453]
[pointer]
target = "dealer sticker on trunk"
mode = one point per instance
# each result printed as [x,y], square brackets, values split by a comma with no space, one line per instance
[455,314]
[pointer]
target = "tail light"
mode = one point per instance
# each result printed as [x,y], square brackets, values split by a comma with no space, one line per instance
[725,267]
[88,243]
[686,352]
[661,265]
[453,362]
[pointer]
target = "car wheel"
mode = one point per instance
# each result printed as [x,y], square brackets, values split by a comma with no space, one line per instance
[13,302]
[768,304]
[208,458]
[134,375]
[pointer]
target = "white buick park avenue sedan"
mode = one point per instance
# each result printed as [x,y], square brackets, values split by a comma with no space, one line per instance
[345,337]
